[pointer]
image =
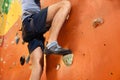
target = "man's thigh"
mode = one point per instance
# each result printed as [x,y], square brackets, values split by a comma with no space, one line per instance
[52,10]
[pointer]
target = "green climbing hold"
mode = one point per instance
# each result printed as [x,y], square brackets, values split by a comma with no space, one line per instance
[5,6]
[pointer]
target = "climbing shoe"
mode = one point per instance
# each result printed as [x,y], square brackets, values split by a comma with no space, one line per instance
[55,49]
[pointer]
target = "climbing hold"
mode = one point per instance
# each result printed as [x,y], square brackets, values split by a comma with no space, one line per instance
[97,22]
[22,60]
[17,38]
[58,67]
[68,59]
[6,5]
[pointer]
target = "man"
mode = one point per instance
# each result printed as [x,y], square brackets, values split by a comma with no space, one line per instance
[34,20]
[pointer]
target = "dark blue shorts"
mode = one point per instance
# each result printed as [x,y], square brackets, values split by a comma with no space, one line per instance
[33,28]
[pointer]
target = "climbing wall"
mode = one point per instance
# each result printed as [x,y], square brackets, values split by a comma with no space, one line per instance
[12,46]
[11,42]
[92,33]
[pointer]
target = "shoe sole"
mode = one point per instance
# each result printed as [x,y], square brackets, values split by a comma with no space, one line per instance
[48,52]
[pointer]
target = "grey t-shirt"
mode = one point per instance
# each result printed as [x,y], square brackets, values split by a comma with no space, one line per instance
[29,7]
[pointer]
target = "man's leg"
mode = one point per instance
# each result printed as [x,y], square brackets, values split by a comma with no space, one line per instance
[37,64]
[57,14]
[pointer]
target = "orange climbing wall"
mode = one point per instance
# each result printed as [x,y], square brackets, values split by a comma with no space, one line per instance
[96,49]
[10,52]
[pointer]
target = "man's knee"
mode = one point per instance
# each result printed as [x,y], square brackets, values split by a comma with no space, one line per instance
[37,55]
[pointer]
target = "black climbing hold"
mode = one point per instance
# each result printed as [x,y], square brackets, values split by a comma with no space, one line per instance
[22,60]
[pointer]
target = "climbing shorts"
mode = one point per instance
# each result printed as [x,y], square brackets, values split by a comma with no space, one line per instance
[33,28]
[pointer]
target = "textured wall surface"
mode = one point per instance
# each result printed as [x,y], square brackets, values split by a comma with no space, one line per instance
[92,33]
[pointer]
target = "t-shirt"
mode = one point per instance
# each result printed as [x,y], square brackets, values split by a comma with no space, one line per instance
[29,7]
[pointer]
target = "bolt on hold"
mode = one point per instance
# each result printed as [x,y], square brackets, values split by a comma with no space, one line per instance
[97,22]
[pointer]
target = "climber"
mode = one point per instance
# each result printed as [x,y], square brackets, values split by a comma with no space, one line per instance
[34,21]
